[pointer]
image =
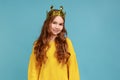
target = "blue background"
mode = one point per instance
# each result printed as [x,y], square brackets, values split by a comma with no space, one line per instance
[92,25]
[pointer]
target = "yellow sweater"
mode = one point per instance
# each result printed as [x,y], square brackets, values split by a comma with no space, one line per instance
[52,70]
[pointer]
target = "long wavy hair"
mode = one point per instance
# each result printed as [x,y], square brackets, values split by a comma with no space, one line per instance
[42,43]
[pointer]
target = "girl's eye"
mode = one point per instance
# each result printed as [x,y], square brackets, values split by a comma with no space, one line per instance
[61,24]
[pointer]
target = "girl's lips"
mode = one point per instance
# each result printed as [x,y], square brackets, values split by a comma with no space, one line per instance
[55,30]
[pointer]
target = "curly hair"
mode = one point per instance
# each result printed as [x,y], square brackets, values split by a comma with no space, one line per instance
[42,43]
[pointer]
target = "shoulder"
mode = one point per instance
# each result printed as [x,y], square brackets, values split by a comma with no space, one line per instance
[69,43]
[68,40]
[70,46]
[34,43]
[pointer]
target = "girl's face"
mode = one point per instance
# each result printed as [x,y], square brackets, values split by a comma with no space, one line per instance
[57,25]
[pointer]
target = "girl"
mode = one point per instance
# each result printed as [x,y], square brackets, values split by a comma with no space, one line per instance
[53,56]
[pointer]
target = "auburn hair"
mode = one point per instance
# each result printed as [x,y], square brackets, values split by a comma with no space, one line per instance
[42,43]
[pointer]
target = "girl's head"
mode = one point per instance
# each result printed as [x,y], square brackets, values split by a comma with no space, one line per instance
[54,23]
[54,26]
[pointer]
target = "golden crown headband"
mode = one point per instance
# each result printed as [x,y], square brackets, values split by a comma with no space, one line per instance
[56,12]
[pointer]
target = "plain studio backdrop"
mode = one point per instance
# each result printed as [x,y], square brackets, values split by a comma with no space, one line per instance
[92,25]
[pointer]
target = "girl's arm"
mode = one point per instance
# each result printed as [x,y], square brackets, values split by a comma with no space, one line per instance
[33,70]
[72,63]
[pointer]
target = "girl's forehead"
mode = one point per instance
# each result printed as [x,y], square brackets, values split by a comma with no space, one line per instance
[58,19]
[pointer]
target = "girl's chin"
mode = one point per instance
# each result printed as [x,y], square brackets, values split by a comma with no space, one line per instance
[55,33]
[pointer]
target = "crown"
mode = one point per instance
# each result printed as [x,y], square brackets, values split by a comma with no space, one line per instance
[56,12]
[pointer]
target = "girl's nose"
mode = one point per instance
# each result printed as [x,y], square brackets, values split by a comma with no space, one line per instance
[57,26]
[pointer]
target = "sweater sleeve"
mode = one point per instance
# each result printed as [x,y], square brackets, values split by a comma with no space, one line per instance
[33,71]
[73,70]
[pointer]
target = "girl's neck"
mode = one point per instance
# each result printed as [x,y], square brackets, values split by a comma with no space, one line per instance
[52,38]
